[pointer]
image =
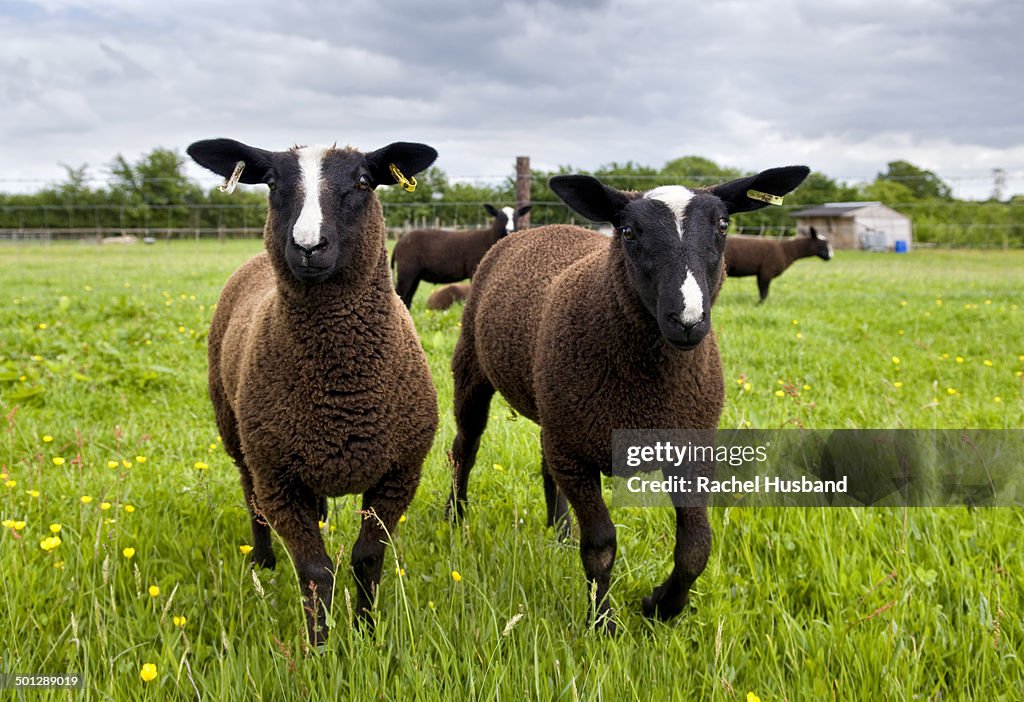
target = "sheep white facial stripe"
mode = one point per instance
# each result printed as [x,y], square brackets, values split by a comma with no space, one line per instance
[306,232]
[677,198]
[510,225]
[693,300]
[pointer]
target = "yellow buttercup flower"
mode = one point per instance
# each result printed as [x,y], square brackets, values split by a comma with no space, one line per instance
[148,672]
[129,509]
[246,549]
[49,543]
[105,506]
[154,591]
[32,493]
[128,552]
[58,460]
[86,499]
[47,439]
[55,528]
[178,621]
[112,464]
[456,576]
[201,466]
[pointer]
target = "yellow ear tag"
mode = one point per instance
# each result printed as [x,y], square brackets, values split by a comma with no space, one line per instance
[228,186]
[764,197]
[408,184]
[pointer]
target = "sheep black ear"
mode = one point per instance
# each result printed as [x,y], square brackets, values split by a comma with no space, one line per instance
[408,157]
[757,191]
[491,211]
[221,155]
[590,197]
[524,210]
[814,233]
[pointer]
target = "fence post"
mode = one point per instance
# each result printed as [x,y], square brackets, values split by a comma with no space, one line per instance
[523,189]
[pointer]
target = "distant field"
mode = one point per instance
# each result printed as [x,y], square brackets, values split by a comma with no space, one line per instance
[108,433]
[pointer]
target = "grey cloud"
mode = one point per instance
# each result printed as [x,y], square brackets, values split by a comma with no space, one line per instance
[570,80]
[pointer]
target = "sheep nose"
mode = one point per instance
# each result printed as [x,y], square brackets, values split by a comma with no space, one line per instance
[309,251]
[688,322]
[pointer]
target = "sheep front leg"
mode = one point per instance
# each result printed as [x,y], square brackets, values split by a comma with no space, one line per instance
[383,505]
[292,512]
[693,546]
[582,487]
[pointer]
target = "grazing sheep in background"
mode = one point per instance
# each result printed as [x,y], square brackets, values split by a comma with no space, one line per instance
[586,334]
[443,298]
[767,258]
[443,256]
[318,381]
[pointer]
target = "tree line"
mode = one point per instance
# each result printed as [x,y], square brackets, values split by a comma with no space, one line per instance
[155,193]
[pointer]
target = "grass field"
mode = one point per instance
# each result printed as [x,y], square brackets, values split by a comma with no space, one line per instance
[109,434]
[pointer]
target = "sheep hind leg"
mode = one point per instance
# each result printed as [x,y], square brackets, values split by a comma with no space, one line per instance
[262,548]
[557,506]
[383,506]
[262,544]
[762,287]
[597,538]
[473,396]
[292,511]
[693,546]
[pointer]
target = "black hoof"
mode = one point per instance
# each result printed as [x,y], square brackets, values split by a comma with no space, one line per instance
[604,624]
[659,605]
[264,559]
[454,509]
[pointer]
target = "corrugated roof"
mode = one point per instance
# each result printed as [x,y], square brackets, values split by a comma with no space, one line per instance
[833,209]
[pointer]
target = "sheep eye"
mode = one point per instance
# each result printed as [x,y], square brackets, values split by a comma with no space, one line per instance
[723,225]
[627,233]
[364,182]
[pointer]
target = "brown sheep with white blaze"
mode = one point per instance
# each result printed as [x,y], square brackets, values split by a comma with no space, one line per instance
[586,335]
[318,381]
[447,256]
[768,258]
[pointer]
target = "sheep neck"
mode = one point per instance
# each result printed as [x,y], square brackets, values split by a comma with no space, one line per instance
[337,293]
[797,247]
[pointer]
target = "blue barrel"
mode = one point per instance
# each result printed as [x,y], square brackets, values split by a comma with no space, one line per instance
[901,246]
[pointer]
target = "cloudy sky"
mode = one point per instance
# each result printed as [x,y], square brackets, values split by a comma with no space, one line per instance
[842,86]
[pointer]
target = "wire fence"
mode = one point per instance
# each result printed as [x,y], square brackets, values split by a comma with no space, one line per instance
[954,224]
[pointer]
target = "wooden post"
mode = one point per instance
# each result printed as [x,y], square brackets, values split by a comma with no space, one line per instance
[523,189]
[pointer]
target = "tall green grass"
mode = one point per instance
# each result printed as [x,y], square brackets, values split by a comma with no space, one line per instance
[102,364]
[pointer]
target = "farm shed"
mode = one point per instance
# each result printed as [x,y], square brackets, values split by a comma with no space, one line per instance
[858,225]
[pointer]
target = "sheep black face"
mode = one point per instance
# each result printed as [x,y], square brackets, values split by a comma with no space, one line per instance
[507,217]
[673,240]
[318,195]
[822,247]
